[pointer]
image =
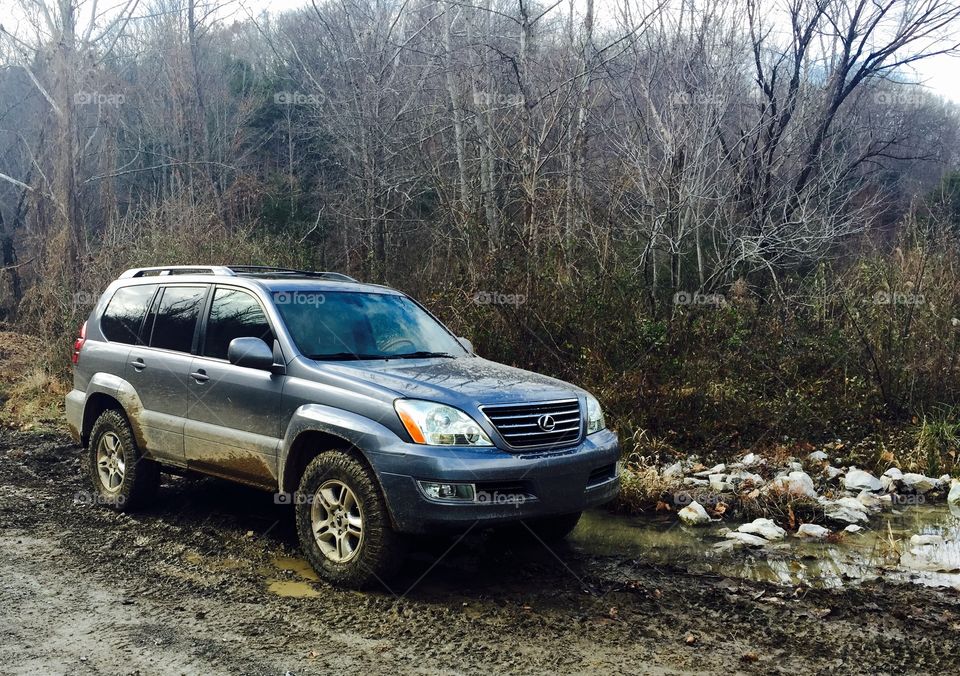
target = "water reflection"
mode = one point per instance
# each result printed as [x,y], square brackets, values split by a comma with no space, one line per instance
[884,550]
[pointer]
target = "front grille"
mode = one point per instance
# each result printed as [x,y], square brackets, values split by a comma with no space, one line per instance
[519,424]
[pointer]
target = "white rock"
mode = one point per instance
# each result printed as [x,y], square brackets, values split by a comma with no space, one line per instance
[674,470]
[919,482]
[695,483]
[853,528]
[716,469]
[798,484]
[719,483]
[944,479]
[858,480]
[833,472]
[818,456]
[920,540]
[749,460]
[888,484]
[694,514]
[894,474]
[795,467]
[746,538]
[741,476]
[847,510]
[812,530]
[765,528]
[953,496]
[871,501]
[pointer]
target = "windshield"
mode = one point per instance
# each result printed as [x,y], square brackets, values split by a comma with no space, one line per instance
[345,325]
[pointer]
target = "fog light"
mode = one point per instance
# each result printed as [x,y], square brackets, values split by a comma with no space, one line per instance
[445,491]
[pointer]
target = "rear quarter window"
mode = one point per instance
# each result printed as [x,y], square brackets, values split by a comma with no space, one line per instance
[122,319]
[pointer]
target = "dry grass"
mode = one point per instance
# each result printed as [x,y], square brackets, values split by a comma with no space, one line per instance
[31,393]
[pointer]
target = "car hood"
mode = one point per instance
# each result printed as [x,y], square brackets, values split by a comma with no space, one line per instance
[478,380]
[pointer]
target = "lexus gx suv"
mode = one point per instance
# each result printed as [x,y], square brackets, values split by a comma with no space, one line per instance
[348,400]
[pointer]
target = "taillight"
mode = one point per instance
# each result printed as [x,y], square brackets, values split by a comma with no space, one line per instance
[78,343]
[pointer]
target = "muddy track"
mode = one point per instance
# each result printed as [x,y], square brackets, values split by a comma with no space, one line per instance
[191,586]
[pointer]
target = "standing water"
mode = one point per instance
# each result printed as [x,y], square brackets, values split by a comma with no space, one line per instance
[919,544]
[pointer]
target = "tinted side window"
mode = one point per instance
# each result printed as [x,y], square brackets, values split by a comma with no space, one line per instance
[234,314]
[177,316]
[125,312]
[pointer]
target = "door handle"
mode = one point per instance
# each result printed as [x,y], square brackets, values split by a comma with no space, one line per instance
[200,376]
[138,364]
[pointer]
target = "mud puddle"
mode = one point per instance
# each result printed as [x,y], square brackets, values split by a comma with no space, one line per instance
[919,544]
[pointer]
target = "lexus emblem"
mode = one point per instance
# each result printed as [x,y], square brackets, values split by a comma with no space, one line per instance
[546,422]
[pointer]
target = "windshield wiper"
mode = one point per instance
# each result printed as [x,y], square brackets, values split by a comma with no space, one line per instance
[345,356]
[421,354]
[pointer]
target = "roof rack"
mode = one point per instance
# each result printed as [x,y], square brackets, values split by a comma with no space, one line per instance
[177,270]
[267,269]
[231,271]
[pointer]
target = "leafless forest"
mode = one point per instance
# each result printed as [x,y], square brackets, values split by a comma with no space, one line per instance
[734,219]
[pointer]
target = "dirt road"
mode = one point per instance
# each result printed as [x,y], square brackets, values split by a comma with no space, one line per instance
[209,581]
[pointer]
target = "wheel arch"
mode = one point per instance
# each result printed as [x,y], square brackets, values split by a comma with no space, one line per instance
[96,404]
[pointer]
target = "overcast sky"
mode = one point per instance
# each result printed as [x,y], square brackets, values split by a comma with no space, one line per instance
[939,73]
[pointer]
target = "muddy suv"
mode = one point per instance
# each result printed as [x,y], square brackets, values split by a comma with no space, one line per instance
[348,400]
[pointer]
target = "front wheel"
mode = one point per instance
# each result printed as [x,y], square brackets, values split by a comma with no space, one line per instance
[343,524]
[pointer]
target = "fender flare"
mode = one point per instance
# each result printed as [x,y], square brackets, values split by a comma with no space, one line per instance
[121,391]
[358,431]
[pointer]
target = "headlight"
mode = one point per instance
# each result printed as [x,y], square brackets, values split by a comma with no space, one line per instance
[595,421]
[439,425]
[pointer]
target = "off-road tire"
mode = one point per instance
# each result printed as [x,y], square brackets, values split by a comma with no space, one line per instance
[380,551]
[141,476]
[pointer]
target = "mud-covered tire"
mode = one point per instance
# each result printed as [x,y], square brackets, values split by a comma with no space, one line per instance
[377,555]
[140,477]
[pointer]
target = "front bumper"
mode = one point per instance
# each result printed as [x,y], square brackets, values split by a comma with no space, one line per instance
[510,486]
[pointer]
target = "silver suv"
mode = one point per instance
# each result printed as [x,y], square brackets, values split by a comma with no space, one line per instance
[348,400]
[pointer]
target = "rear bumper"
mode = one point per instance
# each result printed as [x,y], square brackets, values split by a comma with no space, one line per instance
[510,487]
[73,406]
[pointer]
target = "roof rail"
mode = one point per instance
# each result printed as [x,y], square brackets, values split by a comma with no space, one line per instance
[254,269]
[231,271]
[165,270]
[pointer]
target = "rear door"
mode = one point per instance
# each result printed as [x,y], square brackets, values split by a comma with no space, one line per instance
[159,370]
[233,423]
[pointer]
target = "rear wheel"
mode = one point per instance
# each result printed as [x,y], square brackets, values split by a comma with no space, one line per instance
[122,477]
[343,524]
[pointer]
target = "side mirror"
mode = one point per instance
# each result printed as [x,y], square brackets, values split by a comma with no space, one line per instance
[250,352]
[467,345]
